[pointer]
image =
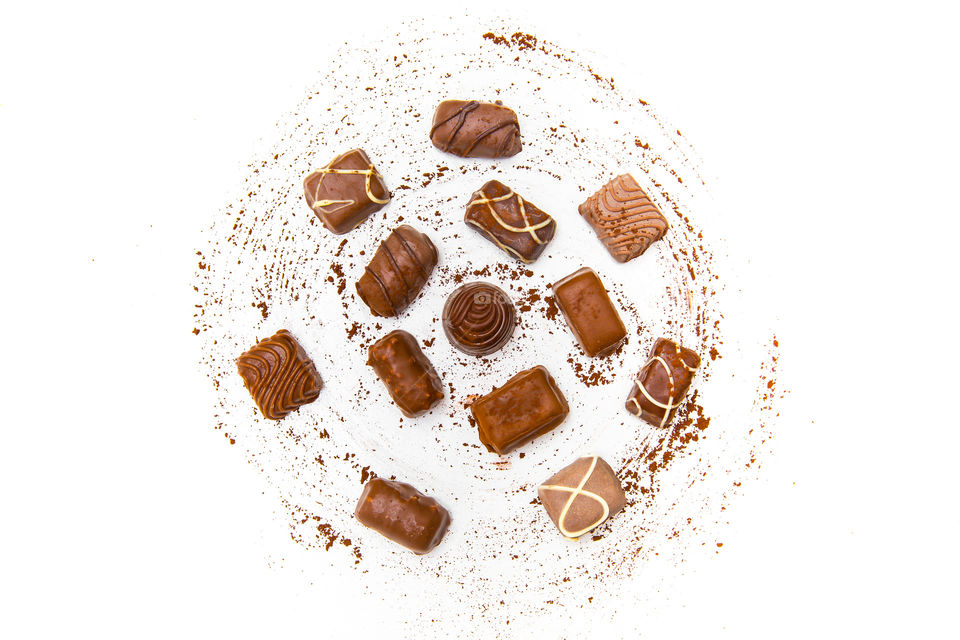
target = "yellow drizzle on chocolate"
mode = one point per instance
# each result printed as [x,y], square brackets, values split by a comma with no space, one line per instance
[480,198]
[669,406]
[369,172]
[574,493]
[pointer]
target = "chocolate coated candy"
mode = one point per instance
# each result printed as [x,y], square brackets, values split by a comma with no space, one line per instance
[589,312]
[582,496]
[662,382]
[515,225]
[402,514]
[479,318]
[408,375]
[472,129]
[624,218]
[279,375]
[346,191]
[397,272]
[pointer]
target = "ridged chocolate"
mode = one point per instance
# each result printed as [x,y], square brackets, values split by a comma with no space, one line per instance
[663,382]
[279,375]
[397,272]
[624,218]
[515,225]
[402,514]
[479,318]
[472,129]
[410,379]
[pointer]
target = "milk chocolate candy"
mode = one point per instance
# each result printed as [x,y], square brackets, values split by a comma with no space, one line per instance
[346,191]
[402,514]
[472,129]
[397,272]
[624,218]
[279,375]
[515,225]
[479,318]
[663,382]
[527,406]
[408,375]
[581,497]
[589,312]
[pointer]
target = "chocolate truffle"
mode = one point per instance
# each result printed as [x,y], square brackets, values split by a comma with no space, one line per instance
[478,318]
[527,406]
[397,272]
[402,514]
[662,382]
[581,497]
[518,227]
[624,218]
[589,312]
[472,129]
[346,191]
[279,375]
[408,375]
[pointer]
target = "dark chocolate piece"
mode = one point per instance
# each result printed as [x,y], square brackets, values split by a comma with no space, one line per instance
[397,272]
[662,382]
[478,318]
[408,375]
[346,191]
[589,312]
[527,406]
[402,514]
[279,375]
[472,129]
[580,497]
[624,218]
[518,227]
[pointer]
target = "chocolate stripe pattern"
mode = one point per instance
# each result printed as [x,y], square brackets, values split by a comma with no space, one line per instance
[576,492]
[479,318]
[472,129]
[279,375]
[396,274]
[624,218]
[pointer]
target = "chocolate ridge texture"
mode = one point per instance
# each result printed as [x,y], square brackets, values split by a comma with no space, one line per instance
[624,218]
[397,272]
[472,129]
[279,375]
[478,318]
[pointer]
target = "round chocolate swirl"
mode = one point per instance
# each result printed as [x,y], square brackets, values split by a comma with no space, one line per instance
[479,318]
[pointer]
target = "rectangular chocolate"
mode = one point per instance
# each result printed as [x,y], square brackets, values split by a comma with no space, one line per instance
[397,272]
[346,191]
[624,218]
[662,382]
[527,406]
[589,312]
[472,129]
[279,375]
[582,496]
[402,514]
[515,225]
[408,375]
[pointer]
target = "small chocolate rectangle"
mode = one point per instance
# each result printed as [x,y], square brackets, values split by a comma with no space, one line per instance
[527,406]
[582,496]
[279,375]
[515,225]
[589,312]
[346,191]
[662,382]
[472,129]
[402,514]
[397,272]
[408,375]
[624,218]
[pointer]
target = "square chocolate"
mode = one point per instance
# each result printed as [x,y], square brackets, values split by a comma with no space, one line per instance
[527,406]
[580,497]
[589,312]
[279,375]
[346,191]
[662,382]
[515,225]
[624,218]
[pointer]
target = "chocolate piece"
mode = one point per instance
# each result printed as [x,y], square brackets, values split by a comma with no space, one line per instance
[410,378]
[472,129]
[662,382]
[581,497]
[402,514]
[589,312]
[624,218]
[528,405]
[518,227]
[397,272]
[478,318]
[346,191]
[279,375]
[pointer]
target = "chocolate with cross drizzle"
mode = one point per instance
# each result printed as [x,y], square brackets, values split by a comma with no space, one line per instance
[662,382]
[515,225]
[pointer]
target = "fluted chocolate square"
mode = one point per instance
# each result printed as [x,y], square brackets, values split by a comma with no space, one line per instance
[406,372]
[472,129]
[624,218]
[663,382]
[515,225]
[581,497]
[397,272]
[279,375]
[589,312]
[402,514]
[527,406]
[346,191]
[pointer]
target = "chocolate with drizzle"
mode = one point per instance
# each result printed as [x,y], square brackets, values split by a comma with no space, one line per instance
[472,129]
[397,272]
[662,382]
[515,225]
[279,375]
[479,318]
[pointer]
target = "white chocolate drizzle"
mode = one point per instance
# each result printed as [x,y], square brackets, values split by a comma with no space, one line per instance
[574,493]
[481,198]
[369,172]
[669,406]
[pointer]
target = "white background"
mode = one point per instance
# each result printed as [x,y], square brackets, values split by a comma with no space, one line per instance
[828,133]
